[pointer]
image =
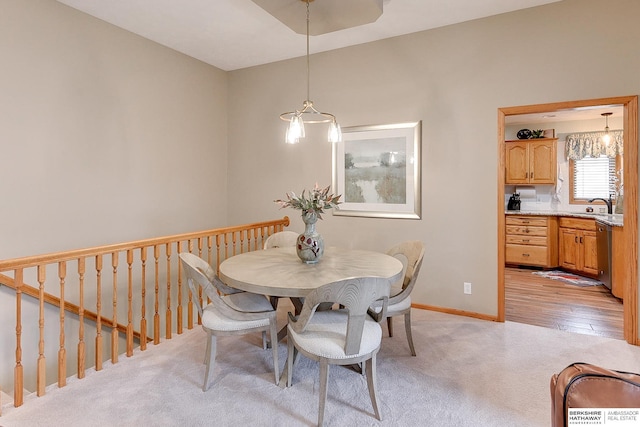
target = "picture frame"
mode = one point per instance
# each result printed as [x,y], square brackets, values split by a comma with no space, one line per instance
[377,168]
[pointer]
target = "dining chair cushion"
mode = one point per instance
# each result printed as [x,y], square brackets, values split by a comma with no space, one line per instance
[248,302]
[212,319]
[330,327]
[394,308]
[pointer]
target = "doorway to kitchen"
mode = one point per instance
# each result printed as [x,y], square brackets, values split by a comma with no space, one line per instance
[628,237]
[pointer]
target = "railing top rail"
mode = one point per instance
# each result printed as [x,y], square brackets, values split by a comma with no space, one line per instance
[31,261]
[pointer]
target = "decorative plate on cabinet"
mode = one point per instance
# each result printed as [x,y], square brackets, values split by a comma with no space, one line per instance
[524,134]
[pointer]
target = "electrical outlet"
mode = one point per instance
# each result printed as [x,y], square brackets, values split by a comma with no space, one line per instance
[467,288]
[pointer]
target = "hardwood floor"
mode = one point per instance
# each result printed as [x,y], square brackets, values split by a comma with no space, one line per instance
[534,300]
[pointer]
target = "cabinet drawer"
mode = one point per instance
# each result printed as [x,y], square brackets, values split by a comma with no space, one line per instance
[526,220]
[578,223]
[526,240]
[529,255]
[525,230]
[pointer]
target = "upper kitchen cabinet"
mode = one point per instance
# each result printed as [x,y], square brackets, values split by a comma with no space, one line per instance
[531,161]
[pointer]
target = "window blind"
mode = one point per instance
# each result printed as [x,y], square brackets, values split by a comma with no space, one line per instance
[594,177]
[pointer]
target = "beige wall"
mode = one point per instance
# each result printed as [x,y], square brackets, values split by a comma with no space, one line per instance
[105,136]
[453,79]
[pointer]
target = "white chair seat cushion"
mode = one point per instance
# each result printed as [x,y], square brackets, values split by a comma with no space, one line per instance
[248,302]
[396,308]
[325,335]
[400,306]
[212,319]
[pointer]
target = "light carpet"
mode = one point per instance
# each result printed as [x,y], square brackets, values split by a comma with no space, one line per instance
[468,372]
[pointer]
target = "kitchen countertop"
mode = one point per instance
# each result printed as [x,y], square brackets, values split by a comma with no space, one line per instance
[614,220]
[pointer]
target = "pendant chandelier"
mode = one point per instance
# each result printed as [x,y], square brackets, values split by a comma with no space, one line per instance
[606,138]
[308,114]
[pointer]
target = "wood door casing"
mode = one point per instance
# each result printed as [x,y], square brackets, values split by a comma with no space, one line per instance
[628,236]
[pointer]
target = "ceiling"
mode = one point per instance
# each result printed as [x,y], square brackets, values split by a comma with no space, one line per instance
[569,115]
[235,34]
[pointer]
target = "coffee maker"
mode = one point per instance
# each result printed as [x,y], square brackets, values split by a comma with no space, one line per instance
[514,202]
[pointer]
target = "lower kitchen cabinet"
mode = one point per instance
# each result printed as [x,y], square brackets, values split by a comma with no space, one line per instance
[577,245]
[532,240]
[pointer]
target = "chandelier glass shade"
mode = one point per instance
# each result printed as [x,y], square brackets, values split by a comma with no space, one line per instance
[308,113]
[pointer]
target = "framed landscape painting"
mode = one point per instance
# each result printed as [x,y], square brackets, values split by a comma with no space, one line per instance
[376,169]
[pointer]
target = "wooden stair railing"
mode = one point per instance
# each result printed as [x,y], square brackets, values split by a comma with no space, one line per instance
[82,289]
[55,301]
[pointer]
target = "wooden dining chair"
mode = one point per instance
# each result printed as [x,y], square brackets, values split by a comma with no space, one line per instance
[229,313]
[345,336]
[410,253]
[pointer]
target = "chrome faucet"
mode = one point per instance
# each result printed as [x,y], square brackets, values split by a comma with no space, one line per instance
[608,202]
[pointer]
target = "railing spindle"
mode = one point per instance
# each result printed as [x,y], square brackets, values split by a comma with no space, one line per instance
[143,308]
[18,372]
[242,242]
[190,303]
[156,315]
[168,312]
[62,352]
[81,354]
[114,321]
[41,378]
[218,254]
[129,302]
[179,309]
[98,355]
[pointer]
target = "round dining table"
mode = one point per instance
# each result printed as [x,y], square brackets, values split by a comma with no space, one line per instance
[279,272]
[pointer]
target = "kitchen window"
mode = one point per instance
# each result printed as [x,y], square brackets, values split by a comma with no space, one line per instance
[593,177]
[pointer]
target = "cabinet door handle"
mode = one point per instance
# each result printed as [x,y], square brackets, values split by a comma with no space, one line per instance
[526,174]
[526,230]
[580,239]
[525,240]
[525,254]
[531,175]
[576,239]
[526,221]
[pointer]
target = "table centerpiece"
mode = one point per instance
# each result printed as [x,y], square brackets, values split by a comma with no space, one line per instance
[313,203]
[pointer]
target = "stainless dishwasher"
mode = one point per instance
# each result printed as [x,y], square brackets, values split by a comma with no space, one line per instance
[603,243]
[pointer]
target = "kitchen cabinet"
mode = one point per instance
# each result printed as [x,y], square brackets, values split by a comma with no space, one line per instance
[577,245]
[532,240]
[531,161]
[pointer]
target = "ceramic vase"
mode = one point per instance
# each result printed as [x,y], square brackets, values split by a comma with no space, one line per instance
[310,245]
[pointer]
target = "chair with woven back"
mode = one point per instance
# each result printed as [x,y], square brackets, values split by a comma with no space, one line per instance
[230,312]
[344,336]
[411,254]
